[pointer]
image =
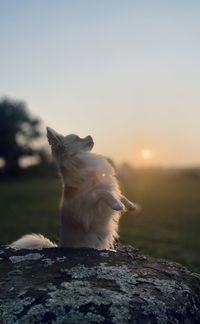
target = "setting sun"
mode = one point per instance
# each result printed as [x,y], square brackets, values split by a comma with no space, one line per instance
[147,154]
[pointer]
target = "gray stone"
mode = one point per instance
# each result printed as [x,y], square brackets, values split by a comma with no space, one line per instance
[62,285]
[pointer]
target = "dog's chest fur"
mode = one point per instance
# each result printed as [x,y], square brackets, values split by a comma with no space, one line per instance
[85,223]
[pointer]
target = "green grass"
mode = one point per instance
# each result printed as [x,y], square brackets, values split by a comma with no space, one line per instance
[169,224]
[28,206]
[167,227]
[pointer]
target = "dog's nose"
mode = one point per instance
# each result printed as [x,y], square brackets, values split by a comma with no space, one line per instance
[89,138]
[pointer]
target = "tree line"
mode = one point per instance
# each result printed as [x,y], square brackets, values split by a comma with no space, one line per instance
[21,136]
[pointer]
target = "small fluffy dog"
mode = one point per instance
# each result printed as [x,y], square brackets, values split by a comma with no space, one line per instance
[91,201]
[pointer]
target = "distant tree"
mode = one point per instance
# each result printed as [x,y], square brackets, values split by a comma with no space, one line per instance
[18,131]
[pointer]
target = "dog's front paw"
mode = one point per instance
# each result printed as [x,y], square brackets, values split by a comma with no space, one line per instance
[118,206]
[134,207]
[129,205]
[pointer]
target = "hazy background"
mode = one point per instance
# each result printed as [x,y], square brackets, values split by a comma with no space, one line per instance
[126,72]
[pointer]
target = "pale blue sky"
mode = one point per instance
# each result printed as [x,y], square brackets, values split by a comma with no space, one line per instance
[126,72]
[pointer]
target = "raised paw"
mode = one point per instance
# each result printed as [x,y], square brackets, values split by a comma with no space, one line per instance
[130,205]
[134,207]
[117,205]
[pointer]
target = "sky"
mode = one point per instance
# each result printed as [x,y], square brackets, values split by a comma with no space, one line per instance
[125,72]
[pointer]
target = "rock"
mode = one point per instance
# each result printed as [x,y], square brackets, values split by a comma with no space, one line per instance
[62,285]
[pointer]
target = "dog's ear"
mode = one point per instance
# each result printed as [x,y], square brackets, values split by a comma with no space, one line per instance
[54,139]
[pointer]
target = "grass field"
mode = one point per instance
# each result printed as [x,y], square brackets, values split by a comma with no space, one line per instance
[167,227]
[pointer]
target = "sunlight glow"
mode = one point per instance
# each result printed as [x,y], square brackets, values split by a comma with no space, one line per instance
[147,154]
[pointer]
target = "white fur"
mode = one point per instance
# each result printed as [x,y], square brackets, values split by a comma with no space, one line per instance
[99,222]
[92,202]
[32,241]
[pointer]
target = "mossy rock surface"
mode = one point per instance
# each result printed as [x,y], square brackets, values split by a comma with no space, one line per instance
[62,285]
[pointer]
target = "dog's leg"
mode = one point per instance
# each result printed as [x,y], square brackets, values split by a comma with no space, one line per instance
[108,198]
[112,202]
[128,204]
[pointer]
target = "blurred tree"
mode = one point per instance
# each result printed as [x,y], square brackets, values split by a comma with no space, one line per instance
[18,130]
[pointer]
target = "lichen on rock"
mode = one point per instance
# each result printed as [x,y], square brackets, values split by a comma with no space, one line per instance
[61,285]
[26,257]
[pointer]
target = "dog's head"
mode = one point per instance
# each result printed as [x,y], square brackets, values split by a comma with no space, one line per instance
[68,146]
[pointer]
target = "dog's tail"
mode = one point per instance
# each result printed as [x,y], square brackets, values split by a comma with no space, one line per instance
[32,241]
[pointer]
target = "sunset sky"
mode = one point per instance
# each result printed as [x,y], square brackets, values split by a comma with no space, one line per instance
[126,72]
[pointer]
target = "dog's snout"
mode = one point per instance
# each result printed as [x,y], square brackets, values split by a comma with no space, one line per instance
[89,138]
